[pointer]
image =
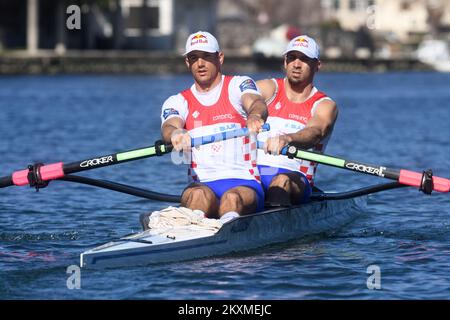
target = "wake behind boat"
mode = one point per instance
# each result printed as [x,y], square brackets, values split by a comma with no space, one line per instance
[275,225]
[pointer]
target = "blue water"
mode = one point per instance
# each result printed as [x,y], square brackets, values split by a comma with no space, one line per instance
[395,119]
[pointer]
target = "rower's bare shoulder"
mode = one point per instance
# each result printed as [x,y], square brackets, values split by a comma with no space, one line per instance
[326,111]
[267,88]
[328,104]
[326,107]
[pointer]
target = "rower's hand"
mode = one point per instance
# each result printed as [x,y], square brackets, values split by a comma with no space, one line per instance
[181,140]
[274,145]
[254,123]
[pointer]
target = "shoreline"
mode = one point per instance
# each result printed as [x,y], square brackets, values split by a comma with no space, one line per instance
[138,62]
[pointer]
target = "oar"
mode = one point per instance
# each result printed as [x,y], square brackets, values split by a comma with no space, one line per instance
[425,181]
[38,175]
[317,195]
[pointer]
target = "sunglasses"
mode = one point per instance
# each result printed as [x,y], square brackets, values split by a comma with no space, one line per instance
[290,57]
[192,58]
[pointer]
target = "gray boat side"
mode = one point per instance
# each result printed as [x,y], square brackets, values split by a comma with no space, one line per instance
[243,233]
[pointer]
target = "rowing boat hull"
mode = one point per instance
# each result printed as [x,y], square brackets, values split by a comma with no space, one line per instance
[244,233]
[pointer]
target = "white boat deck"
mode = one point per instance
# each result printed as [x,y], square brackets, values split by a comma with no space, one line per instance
[243,233]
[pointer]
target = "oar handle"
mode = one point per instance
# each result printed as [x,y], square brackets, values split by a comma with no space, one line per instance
[236,133]
[260,145]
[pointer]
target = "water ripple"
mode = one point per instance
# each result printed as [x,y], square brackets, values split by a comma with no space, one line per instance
[403,232]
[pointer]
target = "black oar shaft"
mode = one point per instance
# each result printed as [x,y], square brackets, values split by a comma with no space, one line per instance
[351,165]
[6,181]
[115,158]
[319,196]
[148,194]
[38,175]
[425,181]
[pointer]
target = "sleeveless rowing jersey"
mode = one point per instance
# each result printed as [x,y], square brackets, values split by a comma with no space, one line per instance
[287,117]
[228,159]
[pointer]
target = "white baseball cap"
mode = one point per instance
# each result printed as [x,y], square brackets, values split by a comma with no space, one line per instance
[202,41]
[304,44]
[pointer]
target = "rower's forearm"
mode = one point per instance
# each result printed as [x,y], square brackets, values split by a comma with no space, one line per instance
[167,132]
[258,108]
[306,138]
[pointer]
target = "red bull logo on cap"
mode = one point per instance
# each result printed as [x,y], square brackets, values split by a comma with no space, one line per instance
[300,42]
[198,38]
[305,45]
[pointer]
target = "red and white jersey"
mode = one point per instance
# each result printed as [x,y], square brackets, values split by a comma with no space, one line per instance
[215,111]
[287,117]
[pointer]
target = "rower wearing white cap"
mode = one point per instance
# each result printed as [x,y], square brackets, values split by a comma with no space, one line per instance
[224,174]
[299,114]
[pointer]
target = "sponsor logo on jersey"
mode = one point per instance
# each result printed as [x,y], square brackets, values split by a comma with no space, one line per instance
[248,84]
[170,111]
[223,117]
[195,114]
[298,117]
